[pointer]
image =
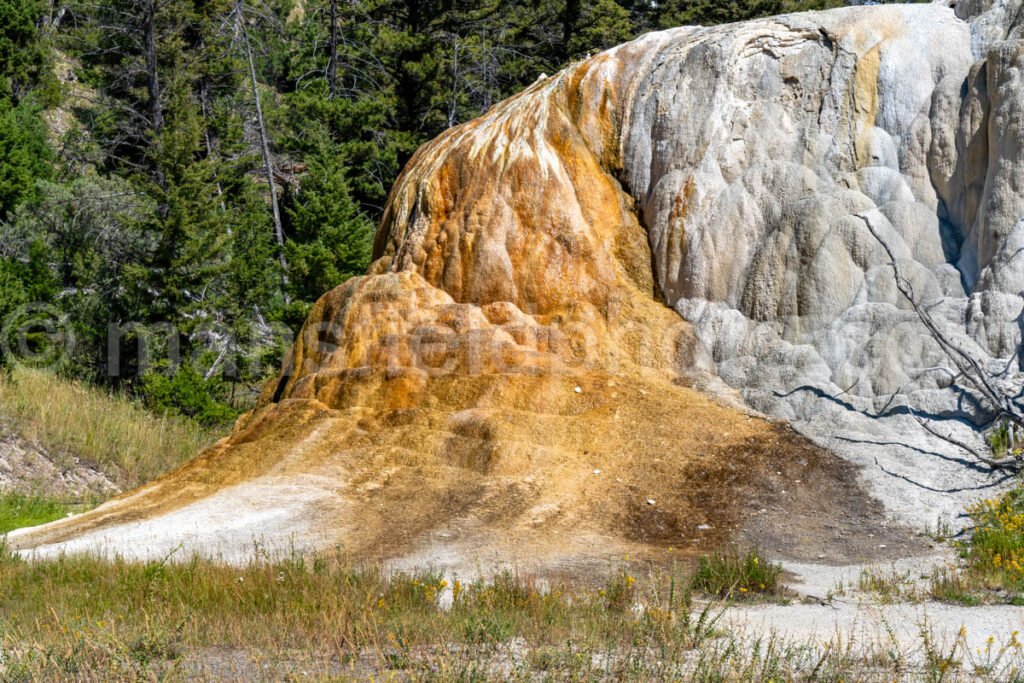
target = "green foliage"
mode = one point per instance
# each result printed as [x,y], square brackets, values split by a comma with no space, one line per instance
[24,56]
[1005,440]
[25,155]
[92,227]
[950,585]
[87,238]
[331,238]
[709,12]
[887,586]
[736,575]
[12,289]
[19,510]
[602,24]
[992,559]
[619,593]
[995,552]
[23,282]
[188,393]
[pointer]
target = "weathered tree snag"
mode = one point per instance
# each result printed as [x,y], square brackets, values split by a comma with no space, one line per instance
[332,60]
[969,368]
[152,78]
[268,160]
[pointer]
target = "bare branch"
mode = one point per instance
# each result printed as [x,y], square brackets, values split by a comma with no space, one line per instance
[1011,463]
[970,368]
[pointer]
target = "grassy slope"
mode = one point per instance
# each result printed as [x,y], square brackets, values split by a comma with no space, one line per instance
[69,420]
[129,444]
[18,510]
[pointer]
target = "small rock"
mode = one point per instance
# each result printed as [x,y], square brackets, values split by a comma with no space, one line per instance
[597,471]
[703,527]
[578,390]
[650,501]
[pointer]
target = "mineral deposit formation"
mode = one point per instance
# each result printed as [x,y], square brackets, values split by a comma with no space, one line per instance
[594,312]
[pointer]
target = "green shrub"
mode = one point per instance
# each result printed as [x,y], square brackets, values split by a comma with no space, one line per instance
[25,154]
[619,594]
[992,569]
[736,574]
[1000,441]
[995,551]
[189,394]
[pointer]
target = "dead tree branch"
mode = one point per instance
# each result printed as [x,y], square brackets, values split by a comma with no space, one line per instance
[968,366]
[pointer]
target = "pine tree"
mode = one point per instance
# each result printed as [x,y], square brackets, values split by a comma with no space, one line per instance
[25,62]
[331,238]
[709,12]
[25,154]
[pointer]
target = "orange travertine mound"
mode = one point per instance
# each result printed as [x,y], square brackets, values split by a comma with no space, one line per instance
[502,387]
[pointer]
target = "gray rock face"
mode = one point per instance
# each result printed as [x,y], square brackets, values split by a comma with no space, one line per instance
[756,154]
[759,153]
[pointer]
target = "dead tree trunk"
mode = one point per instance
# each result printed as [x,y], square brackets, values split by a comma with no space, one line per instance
[156,110]
[332,61]
[453,107]
[268,160]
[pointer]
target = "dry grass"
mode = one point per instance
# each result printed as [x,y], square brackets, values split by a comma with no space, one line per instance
[888,587]
[69,419]
[80,618]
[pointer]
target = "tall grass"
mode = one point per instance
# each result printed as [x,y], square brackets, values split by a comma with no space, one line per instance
[127,443]
[91,616]
[991,567]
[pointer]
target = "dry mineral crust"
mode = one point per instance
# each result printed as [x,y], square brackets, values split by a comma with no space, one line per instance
[584,304]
